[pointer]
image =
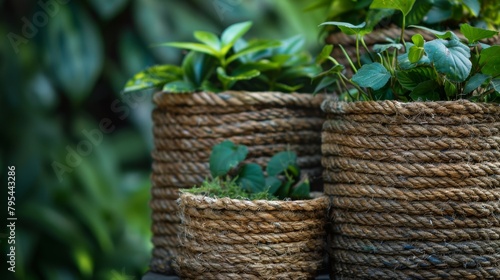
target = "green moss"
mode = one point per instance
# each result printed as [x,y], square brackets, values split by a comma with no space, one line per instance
[227,188]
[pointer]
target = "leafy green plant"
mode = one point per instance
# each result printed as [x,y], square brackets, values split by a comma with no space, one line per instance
[230,62]
[235,179]
[441,69]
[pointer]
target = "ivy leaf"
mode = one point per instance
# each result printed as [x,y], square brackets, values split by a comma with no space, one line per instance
[153,77]
[232,34]
[411,78]
[425,91]
[474,34]
[475,82]
[373,75]
[450,58]
[490,61]
[282,162]
[347,28]
[208,39]
[225,156]
[251,178]
[273,184]
[402,5]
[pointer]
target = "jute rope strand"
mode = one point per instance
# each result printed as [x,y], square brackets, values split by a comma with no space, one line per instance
[164,217]
[237,98]
[164,117]
[416,261]
[225,203]
[307,245]
[391,107]
[474,209]
[165,192]
[410,248]
[238,258]
[406,233]
[414,143]
[264,270]
[244,276]
[453,170]
[405,182]
[166,241]
[438,194]
[164,205]
[402,155]
[258,139]
[415,221]
[255,216]
[179,180]
[367,272]
[252,227]
[412,130]
[418,119]
[228,130]
[165,229]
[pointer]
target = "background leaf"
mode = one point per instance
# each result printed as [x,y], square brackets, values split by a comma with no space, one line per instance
[225,156]
[281,162]
[251,178]
[490,61]
[474,34]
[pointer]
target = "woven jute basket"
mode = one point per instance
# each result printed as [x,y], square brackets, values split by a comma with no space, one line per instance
[223,238]
[186,126]
[415,189]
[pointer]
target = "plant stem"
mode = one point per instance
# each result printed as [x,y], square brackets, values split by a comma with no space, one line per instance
[403,32]
[357,50]
[354,69]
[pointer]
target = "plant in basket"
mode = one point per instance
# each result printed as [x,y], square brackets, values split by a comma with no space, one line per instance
[227,87]
[411,157]
[245,223]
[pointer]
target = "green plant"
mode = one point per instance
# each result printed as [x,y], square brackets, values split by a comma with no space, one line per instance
[441,69]
[235,179]
[230,62]
[437,14]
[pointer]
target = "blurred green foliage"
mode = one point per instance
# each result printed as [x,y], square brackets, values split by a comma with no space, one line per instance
[63,64]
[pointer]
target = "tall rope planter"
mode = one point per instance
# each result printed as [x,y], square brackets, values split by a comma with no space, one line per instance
[415,189]
[223,238]
[186,126]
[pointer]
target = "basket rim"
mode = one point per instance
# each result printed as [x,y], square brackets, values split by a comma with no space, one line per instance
[238,98]
[225,203]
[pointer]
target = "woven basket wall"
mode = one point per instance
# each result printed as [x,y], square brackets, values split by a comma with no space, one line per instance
[186,127]
[415,189]
[238,239]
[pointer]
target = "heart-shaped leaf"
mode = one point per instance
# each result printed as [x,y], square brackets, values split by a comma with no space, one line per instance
[281,162]
[251,178]
[225,156]
[450,58]
[490,61]
[373,75]
[474,34]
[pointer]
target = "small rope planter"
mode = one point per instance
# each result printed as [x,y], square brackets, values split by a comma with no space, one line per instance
[223,238]
[415,189]
[187,126]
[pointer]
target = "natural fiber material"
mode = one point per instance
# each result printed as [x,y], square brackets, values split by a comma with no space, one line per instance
[187,126]
[415,189]
[259,239]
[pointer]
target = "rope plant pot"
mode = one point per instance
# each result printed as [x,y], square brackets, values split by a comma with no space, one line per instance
[415,189]
[187,126]
[223,237]
[227,88]
[412,164]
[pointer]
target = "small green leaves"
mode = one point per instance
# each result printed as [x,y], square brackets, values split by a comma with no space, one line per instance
[450,58]
[192,46]
[232,34]
[373,75]
[208,39]
[153,77]
[416,51]
[474,34]
[226,156]
[402,5]
[179,87]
